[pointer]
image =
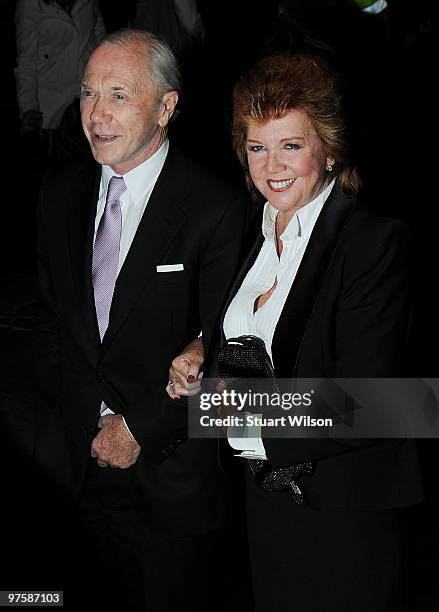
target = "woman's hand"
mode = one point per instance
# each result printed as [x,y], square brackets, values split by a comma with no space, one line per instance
[185,372]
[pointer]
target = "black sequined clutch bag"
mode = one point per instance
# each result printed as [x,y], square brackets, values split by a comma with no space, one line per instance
[246,357]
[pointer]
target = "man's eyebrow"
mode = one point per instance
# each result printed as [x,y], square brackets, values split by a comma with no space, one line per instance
[115,88]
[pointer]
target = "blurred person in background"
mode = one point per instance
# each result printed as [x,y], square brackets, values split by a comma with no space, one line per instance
[54,42]
[178,22]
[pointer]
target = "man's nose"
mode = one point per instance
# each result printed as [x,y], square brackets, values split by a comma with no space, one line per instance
[100,112]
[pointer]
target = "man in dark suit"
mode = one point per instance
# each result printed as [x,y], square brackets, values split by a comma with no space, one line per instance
[136,254]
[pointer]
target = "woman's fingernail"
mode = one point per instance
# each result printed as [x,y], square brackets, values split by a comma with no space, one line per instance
[176,397]
[190,378]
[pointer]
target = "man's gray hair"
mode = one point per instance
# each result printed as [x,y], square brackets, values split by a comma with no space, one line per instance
[161,62]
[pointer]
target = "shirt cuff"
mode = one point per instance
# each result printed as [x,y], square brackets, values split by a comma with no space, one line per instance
[247,440]
[123,419]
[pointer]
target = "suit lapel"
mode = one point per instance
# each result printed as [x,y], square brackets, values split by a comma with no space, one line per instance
[82,213]
[249,260]
[253,242]
[161,220]
[309,280]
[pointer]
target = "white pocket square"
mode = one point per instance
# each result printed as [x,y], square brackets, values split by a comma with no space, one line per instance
[170,268]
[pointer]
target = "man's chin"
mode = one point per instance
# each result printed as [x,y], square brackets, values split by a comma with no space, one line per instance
[104,157]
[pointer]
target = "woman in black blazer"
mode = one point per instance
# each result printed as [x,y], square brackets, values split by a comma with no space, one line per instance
[325,285]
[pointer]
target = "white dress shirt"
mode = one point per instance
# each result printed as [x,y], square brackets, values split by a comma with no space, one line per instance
[240,318]
[140,182]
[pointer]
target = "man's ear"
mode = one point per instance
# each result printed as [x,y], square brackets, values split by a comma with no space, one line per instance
[168,104]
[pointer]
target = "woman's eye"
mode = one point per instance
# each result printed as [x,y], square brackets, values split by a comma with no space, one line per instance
[255,148]
[86,93]
[119,97]
[291,146]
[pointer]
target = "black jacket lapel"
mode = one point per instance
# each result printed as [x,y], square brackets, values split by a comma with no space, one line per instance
[163,216]
[84,196]
[253,242]
[308,283]
[249,260]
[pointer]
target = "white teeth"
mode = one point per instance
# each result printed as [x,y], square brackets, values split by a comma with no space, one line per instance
[281,184]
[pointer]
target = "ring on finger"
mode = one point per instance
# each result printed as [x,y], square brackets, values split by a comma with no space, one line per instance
[171,383]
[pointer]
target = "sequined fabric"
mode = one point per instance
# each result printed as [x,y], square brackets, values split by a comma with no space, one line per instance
[279,479]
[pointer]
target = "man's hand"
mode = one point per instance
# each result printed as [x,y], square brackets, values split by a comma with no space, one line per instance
[185,372]
[114,445]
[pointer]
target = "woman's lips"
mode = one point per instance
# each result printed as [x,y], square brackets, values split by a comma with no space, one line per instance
[280,185]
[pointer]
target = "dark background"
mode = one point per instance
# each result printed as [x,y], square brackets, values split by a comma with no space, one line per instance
[387,71]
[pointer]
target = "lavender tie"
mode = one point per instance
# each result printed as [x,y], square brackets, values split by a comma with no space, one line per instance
[106,253]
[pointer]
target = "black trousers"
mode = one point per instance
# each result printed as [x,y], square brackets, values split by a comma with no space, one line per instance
[138,570]
[308,560]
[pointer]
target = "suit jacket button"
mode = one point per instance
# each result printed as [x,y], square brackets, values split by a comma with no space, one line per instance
[101,376]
